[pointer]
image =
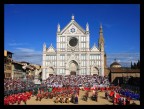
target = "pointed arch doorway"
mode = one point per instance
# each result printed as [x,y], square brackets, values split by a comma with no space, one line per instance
[73,67]
[94,71]
[72,73]
[49,72]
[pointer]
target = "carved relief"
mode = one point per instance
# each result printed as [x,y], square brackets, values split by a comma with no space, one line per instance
[67,32]
[78,31]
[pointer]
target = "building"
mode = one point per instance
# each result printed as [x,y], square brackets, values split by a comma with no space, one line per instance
[18,71]
[73,55]
[115,65]
[7,64]
[25,69]
[117,73]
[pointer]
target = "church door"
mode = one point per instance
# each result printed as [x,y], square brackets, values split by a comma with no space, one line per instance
[50,71]
[73,67]
[72,73]
[95,71]
[50,74]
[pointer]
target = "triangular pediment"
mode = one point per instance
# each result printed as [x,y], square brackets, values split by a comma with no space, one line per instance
[72,28]
[94,48]
[51,49]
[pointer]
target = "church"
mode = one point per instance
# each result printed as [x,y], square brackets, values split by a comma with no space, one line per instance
[73,55]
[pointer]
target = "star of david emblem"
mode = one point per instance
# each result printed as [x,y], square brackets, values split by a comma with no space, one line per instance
[72,30]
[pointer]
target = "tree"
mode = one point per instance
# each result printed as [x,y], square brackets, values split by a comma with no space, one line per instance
[135,66]
[131,65]
[138,64]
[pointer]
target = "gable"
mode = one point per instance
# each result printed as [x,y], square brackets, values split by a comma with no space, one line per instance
[73,28]
[50,49]
[94,49]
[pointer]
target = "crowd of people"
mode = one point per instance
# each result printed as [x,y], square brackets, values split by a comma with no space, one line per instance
[65,89]
[17,98]
[14,86]
[122,96]
[77,80]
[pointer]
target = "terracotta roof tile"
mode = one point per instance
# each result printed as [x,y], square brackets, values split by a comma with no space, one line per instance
[118,70]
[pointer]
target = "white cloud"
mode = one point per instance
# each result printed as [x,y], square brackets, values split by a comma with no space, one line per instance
[35,57]
[16,44]
[25,49]
[29,55]
[107,25]
[124,59]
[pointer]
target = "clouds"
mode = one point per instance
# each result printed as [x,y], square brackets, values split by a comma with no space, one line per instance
[35,57]
[16,44]
[124,59]
[28,54]
[27,50]
[107,25]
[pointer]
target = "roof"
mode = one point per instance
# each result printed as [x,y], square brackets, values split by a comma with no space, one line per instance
[72,22]
[24,62]
[114,63]
[7,52]
[122,70]
[94,48]
[51,49]
[14,62]
[30,67]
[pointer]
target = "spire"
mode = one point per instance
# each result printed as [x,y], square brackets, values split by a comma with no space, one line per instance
[101,39]
[100,25]
[44,47]
[72,17]
[87,27]
[101,30]
[58,27]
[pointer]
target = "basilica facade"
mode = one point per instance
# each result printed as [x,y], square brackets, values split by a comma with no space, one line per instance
[73,55]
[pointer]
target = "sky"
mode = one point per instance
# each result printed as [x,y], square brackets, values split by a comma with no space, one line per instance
[28,26]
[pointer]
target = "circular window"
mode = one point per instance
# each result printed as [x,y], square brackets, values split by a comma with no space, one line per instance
[73,41]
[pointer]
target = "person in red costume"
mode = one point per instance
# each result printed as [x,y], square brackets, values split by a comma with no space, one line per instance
[115,98]
[6,101]
[114,101]
[19,99]
[24,98]
[10,99]
[124,101]
[107,88]
[28,94]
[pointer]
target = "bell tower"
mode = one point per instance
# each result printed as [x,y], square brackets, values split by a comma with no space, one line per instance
[101,39]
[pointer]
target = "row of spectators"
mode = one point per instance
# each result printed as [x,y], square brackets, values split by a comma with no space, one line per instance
[77,80]
[17,85]
[22,85]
